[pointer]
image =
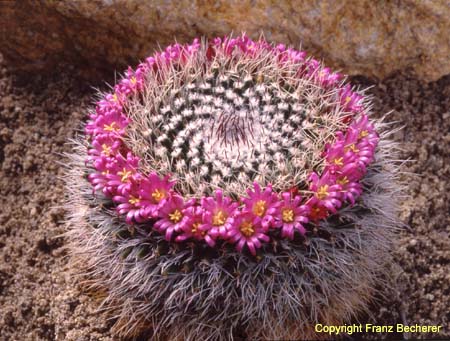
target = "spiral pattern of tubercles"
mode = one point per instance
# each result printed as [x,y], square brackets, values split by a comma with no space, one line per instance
[227,133]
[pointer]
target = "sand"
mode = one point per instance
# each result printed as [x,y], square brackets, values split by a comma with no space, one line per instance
[41,300]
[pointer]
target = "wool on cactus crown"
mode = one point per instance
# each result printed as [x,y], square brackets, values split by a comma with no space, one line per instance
[306,178]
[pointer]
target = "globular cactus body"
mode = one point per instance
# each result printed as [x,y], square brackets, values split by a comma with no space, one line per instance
[229,188]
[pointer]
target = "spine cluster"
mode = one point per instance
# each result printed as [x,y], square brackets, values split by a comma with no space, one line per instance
[263,213]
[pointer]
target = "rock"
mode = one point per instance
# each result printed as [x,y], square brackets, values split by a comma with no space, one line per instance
[429,297]
[413,242]
[357,36]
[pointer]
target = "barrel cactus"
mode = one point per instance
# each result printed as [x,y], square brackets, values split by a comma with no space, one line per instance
[232,188]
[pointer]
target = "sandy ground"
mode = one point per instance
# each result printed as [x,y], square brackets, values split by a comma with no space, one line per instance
[40,300]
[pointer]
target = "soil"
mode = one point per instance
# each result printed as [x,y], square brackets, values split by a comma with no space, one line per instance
[41,300]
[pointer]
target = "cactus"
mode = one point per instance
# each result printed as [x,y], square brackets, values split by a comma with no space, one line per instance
[232,188]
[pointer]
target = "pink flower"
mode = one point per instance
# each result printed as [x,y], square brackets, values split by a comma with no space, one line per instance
[191,229]
[153,190]
[171,217]
[172,53]
[312,67]
[121,172]
[345,168]
[326,77]
[296,56]
[335,186]
[338,156]
[251,47]
[130,205]
[101,162]
[359,141]
[228,45]
[261,204]
[280,48]
[114,174]
[142,70]
[151,62]
[218,216]
[110,105]
[246,229]
[104,146]
[111,124]
[130,84]
[194,47]
[351,190]
[289,55]
[326,192]
[350,101]
[348,178]
[365,130]
[363,139]
[291,214]
[98,179]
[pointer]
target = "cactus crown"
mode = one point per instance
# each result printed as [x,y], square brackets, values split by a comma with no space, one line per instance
[223,118]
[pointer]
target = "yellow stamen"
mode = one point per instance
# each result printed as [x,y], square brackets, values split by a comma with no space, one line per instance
[363,133]
[176,216]
[111,127]
[322,193]
[158,195]
[133,80]
[287,215]
[352,147]
[347,99]
[339,161]
[133,200]
[124,174]
[219,218]
[106,172]
[260,208]
[247,228]
[115,99]
[106,149]
[343,181]
[195,227]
